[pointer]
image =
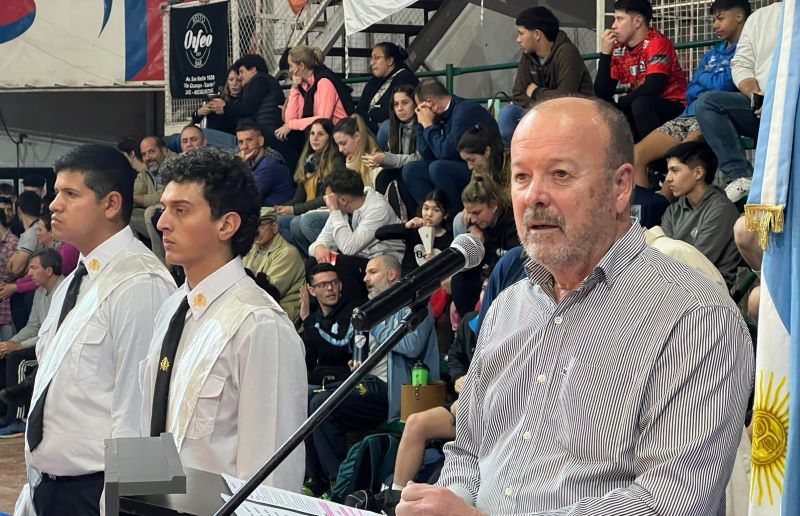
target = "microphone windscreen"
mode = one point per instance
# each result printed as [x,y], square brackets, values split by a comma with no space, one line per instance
[470,247]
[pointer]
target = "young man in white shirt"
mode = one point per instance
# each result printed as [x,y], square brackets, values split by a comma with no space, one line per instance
[93,338]
[225,373]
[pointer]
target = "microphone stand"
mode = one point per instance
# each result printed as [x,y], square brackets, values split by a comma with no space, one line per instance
[408,324]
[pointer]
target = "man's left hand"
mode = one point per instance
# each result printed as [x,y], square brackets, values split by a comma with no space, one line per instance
[532,87]
[428,500]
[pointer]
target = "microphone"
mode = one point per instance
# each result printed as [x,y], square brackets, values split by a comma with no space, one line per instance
[465,252]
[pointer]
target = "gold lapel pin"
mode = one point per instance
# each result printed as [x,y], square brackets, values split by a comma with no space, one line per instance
[164,364]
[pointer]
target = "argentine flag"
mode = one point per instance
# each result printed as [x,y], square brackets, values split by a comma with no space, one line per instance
[774,211]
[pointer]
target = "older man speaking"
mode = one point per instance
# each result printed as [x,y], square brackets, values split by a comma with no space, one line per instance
[615,379]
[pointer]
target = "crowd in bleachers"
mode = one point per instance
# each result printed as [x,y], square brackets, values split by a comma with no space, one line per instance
[357,192]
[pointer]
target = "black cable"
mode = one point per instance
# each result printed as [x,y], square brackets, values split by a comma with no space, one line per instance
[3,120]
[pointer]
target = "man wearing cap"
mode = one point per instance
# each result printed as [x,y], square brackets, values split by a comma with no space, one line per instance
[280,261]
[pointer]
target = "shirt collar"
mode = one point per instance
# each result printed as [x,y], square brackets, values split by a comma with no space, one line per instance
[213,286]
[607,270]
[102,255]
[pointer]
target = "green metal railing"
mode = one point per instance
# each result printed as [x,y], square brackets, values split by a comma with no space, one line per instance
[450,72]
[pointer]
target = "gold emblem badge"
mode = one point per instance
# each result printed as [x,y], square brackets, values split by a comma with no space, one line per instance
[164,364]
[94,265]
[199,301]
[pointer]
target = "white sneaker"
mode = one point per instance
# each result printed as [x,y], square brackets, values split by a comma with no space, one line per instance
[738,188]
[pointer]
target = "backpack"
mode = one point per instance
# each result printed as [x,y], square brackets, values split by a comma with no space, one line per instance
[368,463]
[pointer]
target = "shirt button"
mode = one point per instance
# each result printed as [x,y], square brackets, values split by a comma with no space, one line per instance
[557,319]
[541,378]
[508,491]
[526,436]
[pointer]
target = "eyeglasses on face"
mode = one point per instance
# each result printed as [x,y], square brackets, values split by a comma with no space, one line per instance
[325,285]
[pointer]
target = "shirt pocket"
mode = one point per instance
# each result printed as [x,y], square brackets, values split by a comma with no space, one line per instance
[90,340]
[205,412]
[589,407]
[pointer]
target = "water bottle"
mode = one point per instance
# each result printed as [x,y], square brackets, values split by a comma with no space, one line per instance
[360,348]
[419,374]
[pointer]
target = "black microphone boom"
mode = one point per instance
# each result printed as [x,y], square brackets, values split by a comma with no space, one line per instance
[465,252]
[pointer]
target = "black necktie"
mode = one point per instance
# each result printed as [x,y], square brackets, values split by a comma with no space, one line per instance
[158,421]
[36,416]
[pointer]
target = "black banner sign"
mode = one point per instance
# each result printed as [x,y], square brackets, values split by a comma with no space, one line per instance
[198,50]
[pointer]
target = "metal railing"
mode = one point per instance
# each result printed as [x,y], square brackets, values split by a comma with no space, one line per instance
[450,72]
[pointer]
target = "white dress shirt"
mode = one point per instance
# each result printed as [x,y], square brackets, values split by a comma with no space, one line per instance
[255,394]
[94,395]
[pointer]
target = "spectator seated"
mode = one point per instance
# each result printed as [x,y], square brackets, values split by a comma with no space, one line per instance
[270,172]
[425,236]
[643,62]
[355,142]
[303,217]
[702,216]
[389,71]
[327,334]
[443,118]
[317,92]
[45,270]
[279,261]
[550,66]
[491,220]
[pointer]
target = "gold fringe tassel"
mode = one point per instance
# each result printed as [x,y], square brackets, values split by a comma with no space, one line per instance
[764,218]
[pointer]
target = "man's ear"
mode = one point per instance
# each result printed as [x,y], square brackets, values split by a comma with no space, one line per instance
[699,173]
[113,205]
[228,225]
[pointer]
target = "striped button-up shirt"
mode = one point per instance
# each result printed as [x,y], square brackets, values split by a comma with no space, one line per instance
[627,397]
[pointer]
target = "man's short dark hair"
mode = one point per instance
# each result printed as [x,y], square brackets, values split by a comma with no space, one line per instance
[344,181]
[29,203]
[642,7]
[7,190]
[249,126]
[160,143]
[228,186]
[251,61]
[729,5]
[49,258]
[430,88]
[693,154]
[33,181]
[539,18]
[319,269]
[104,170]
